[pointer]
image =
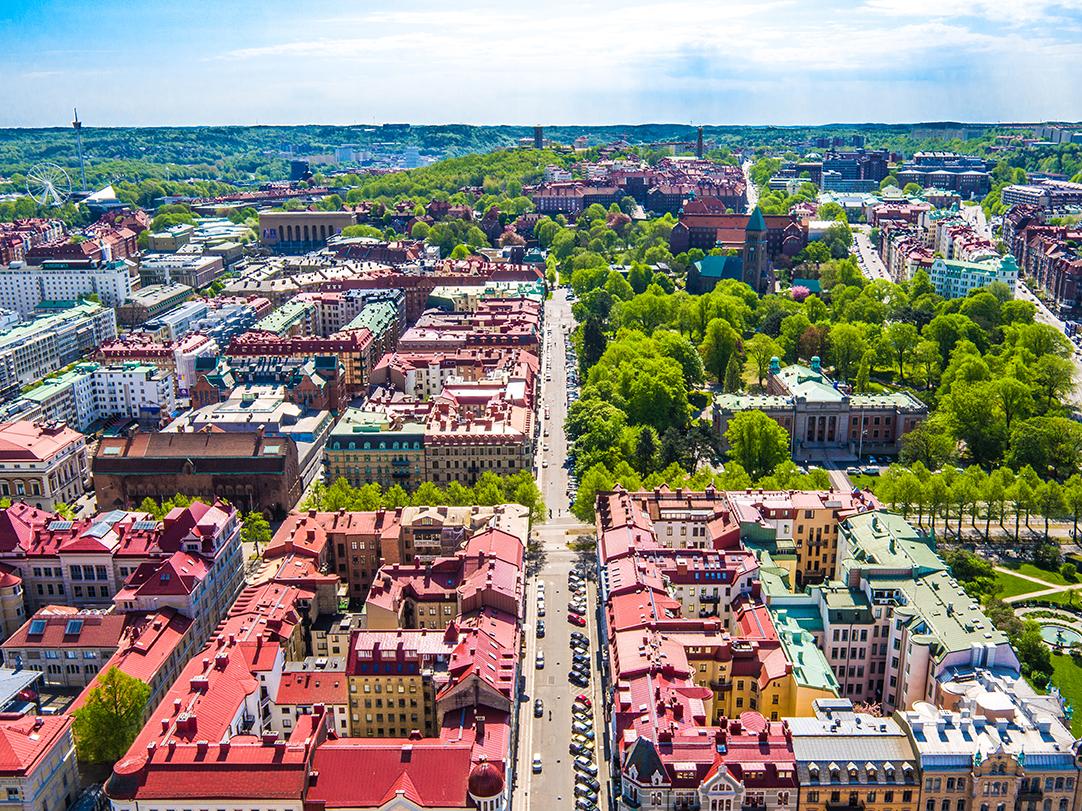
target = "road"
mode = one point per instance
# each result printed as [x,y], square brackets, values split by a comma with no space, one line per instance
[871,265]
[752,192]
[549,737]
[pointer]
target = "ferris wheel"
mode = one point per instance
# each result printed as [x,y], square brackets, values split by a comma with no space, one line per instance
[48,184]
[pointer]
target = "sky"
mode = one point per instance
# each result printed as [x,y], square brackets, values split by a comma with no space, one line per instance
[550,62]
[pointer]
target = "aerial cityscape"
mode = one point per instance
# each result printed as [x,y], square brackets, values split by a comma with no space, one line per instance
[337,345]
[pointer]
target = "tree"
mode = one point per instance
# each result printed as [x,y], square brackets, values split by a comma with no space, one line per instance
[912,190]
[734,377]
[1068,571]
[719,343]
[1048,500]
[111,717]
[593,343]
[1014,399]
[927,357]
[864,371]
[1053,376]
[847,345]
[903,339]
[929,443]
[1034,655]
[646,447]
[756,442]
[1072,497]
[256,530]
[761,348]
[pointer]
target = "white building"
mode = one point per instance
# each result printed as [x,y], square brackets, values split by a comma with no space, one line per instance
[954,279]
[40,347]
[24,287]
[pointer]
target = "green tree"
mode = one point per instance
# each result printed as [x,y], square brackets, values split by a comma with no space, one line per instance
[734,377]
[761,348]
[847,345]
[864,371]
[256,530]
[903,339]
[719,344]
[593,343]
[756,442]
[646,448]
[111,717]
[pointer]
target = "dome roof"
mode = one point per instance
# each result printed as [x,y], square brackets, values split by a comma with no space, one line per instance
[486,780]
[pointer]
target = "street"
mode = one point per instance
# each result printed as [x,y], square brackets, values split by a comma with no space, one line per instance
[752,192]
[871,265]
[550,735]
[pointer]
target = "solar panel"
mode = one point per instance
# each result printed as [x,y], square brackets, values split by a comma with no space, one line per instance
[145,525]
[37,627]
[73,627]
[60,526]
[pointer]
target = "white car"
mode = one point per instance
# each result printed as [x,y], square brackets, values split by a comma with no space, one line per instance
[537,764]
[539,663]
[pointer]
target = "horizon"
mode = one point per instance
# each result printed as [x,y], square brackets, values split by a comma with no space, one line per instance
[778,62]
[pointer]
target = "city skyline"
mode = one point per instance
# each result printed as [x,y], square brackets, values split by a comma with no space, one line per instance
[737,63]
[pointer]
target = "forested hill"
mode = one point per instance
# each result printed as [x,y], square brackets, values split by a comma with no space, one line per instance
[255,153]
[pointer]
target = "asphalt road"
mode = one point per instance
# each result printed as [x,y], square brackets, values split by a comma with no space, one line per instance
[872,266]
[550,735]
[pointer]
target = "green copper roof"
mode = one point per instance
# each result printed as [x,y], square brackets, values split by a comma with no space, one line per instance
[756,223]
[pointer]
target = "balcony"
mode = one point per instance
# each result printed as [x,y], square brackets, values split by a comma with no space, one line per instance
[719,686]
[1027,792]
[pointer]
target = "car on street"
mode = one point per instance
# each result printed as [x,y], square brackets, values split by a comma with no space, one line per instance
[585,805]
[540,629]
[577,679]
[580,658]
[585,791]
[852,471]
[540,609]
[539,663]
[537,764]
[576,748]
[585,764]
[586,780]
[577,619]
[582,698]
[579,727]
[538,708]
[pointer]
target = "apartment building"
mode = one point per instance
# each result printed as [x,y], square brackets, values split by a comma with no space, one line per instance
[24,287]
[38,771]
[954,279]
[58,337]
[44,464]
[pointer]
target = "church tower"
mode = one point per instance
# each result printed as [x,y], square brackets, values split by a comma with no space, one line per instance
[754,256]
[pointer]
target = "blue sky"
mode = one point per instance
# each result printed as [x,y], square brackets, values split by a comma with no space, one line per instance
[553,62]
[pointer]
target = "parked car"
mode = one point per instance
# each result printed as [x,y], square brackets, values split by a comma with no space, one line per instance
[540,629]
[538,708]
[576,619]
[582,698]
[537,764]
[539,663]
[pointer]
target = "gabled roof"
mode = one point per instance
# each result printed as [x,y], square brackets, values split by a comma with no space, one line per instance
[26,739]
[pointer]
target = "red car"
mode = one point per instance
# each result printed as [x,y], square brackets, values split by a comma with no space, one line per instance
[576,619]
[584,699]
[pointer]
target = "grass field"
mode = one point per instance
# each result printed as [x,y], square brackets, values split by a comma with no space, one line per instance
[1011,586]
[1067,676]
[1054,578]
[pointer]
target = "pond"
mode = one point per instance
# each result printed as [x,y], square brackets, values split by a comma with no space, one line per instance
[1060,635]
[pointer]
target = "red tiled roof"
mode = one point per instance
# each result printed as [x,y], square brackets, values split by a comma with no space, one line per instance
[308,687]
[353,773]
[26,739]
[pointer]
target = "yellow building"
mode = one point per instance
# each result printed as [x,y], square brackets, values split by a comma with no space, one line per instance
[852,760]
[393,680]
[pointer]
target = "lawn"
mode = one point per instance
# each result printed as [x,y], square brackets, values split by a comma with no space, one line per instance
[1011,586]
[1067,676]
[1054,578]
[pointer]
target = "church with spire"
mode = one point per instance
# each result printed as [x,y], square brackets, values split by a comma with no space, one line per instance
[746,256]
